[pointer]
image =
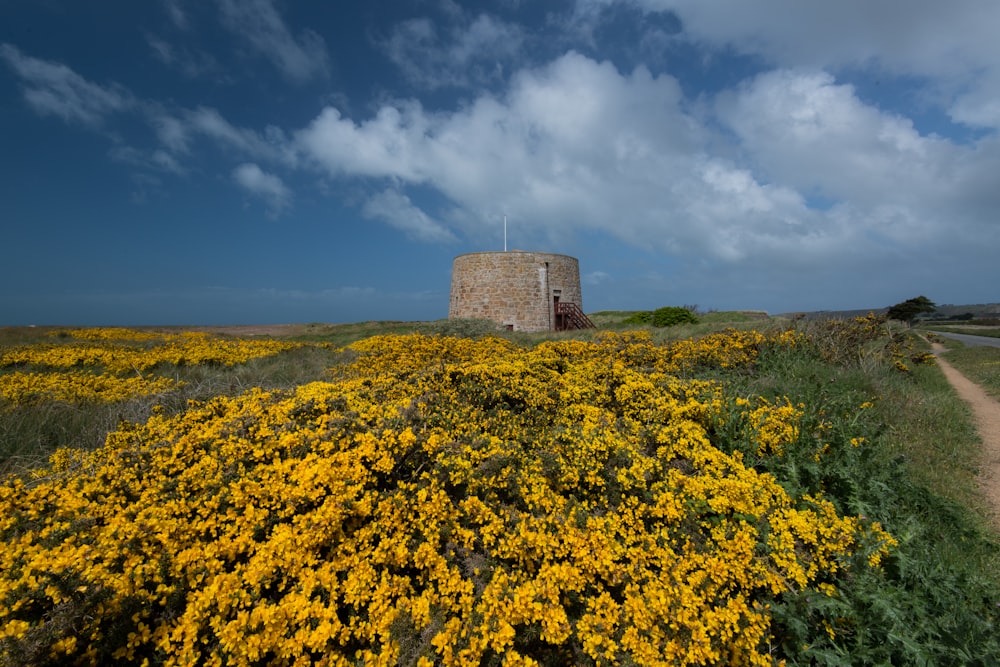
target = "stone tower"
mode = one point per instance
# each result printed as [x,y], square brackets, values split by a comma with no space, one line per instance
[523,291]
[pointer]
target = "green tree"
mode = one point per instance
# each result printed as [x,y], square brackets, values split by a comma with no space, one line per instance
[908,310]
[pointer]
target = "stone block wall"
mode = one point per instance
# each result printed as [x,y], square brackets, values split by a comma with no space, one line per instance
[515,288]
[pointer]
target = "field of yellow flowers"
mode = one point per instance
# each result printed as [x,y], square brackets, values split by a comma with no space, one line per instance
[117,363]
[437,501]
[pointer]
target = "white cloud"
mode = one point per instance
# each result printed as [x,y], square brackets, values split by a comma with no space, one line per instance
[176,13]
[273,145]
[922,37]
[161,49]
[299,58]
[149,161]
[390,144]
[55,89]
[887,185]
[266,186]
[980,108]
[571,145]
[805,175]
[953,45]
[52,88]
[192,63]
[166,161]
[174,134]
[805,130]
[468,51]
[397,210]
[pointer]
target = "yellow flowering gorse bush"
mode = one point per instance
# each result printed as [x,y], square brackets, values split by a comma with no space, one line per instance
[775,425]
[140,351]
[78,387]
[442,501]
[110,365]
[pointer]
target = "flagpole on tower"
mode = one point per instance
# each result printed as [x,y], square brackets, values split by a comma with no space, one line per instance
[505,233]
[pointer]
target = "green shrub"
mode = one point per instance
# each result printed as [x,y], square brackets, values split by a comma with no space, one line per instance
[669,316]
[641,317]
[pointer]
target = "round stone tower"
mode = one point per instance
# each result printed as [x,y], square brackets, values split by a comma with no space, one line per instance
[523,291]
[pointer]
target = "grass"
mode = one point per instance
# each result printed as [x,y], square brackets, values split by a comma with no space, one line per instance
[981,364]
[707,323]
[931,429]
[11,336]
[970,330]
[345,334]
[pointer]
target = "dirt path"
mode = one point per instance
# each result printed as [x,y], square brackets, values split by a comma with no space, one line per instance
[986,411]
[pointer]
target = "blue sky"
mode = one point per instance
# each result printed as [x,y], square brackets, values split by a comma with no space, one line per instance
[267,161]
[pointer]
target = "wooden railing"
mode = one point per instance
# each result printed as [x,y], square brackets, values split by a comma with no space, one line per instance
[570,316]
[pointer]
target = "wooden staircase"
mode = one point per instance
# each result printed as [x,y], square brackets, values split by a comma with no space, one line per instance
[570,316]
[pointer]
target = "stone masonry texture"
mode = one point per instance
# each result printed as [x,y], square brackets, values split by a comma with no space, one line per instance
[516,289]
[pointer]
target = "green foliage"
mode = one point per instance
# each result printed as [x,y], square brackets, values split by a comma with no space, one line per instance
[669,316]
[641,317]
[887,446]
[908,310]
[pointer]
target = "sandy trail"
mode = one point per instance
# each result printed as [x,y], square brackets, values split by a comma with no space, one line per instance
[986,411]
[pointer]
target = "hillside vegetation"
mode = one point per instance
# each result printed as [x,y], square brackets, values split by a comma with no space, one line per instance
[754,493]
